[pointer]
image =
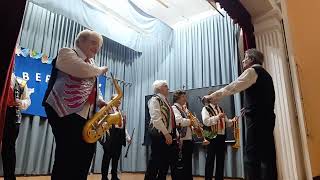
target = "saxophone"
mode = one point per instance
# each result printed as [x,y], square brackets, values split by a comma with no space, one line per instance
[236,132]
[197,127]
[102,121]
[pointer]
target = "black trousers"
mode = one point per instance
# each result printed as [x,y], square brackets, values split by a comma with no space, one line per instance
[162,156]
[111,151]
[216,151]
[187,150]
[260,152]
[73,155]
[8,152]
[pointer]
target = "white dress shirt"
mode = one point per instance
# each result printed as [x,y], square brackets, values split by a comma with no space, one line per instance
[244,81]
[213,120]
[157,118]
[74,64]
[25,96]
[184,122]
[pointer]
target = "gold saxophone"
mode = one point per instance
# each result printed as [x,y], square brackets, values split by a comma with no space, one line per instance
[102,121]
[197,127]
[236,132]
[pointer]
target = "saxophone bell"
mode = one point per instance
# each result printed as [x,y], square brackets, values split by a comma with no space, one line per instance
[102,121]
[196,127]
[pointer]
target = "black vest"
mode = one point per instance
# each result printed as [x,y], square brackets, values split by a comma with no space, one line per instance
[165,111]
[260,97]
[52,80]
[208,133]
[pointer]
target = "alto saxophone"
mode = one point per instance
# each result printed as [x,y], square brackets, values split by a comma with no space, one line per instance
[197,128]
[102,121]
[236,132]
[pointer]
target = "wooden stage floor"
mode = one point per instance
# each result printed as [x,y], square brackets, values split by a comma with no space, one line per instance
[123,176]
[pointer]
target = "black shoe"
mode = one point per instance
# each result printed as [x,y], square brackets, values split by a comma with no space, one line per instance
[115,178]
[104,178]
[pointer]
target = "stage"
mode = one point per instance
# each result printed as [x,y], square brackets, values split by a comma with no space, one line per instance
[123,176]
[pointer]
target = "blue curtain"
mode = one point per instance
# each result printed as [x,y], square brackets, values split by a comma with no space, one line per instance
[44,31]
[202,54]
[135,26]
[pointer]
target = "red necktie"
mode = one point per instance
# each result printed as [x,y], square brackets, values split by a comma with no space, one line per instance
[11,98]
[221,124]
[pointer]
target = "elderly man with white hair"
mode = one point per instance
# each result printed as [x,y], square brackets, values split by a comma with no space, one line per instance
[70,101]
[163,134]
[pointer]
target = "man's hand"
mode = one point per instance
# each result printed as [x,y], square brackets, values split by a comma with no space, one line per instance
[129,141]
[221,115]
[205,99]
[104,69]
[18,103]
[212,98]
[101,104]
[168,138]
[236,118]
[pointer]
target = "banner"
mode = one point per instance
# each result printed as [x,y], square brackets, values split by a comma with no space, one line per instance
[37,75]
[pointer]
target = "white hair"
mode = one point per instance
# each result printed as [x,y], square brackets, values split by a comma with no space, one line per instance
[157,84]
[87,33]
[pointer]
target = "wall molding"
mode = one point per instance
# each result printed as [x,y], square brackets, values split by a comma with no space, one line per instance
[290,152]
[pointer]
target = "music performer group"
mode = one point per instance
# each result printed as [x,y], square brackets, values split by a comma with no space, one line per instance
[73,96]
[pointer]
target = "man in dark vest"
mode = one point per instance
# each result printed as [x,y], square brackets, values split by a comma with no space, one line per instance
[257,84]
[18,99]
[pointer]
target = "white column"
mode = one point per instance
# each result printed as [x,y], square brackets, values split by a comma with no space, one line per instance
[270,40]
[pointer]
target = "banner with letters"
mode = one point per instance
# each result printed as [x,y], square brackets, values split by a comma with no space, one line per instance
[37,73]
